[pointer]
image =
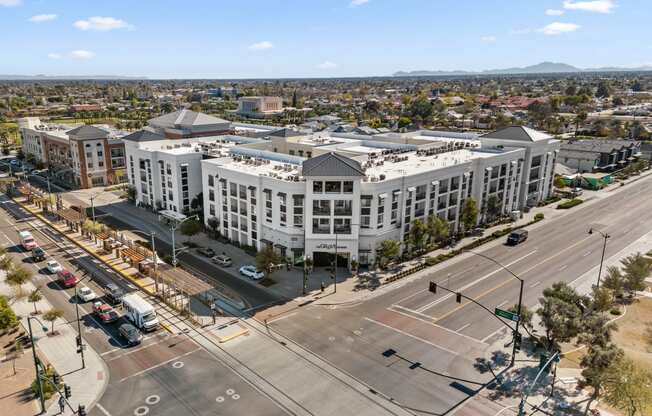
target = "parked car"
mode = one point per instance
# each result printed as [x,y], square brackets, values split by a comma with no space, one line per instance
[130,333]
[85,294]
[517,237]
[38,254]
[114,294]
[67,279]
[206,252]
[222,260]
[53,266]
[251,272]
[105,312]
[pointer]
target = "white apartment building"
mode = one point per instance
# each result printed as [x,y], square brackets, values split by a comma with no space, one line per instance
[308,195]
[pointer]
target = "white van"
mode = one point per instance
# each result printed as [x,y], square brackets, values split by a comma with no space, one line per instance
[140,312]
[27,240]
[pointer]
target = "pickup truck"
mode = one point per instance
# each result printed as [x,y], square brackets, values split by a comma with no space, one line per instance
[105,312]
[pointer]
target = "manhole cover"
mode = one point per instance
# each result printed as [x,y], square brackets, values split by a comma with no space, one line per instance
[235,396]
[230,392]
[219,399]
[177,364]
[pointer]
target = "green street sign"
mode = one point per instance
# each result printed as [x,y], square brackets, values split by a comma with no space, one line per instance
[507,315]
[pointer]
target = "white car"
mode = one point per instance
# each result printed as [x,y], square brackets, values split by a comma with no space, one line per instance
[86,294]
[54,267]
[251,272]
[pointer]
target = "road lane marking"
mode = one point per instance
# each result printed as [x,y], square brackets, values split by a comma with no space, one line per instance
[102,409]
[158,365]
[563,267]
[281,317]
[463,327]
[586,254]
[410,311]
[535,284]
[501,304]
[430,320]
[450,295]
[407,334]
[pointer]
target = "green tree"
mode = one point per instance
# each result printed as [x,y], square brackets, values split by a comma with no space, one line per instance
[389,250]
[493,207]
[559,182]
[526,316]
[8,318]
[190,228]
[213,223]
[601,299]
[51,316]
[6,263]
[628,387]
[560,314]
[19,276]
[34,297]
[469,214]
[636,269]
[404,122]
[614,281]
[266,259]
[438,229]
[16,352]
[417,235]
[601,353]
[603,90]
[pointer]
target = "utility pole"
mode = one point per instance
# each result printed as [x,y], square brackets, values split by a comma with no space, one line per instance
[155,262]
[36,361]
[605,236]
[92,198]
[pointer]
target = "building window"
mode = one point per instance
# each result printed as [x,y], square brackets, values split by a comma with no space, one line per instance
[333,187]
[233,189]
[347,187]
[321,226]
[243,192]
[321,207]
[343,207]
[211,195]
[365,211]
[318,187]
[342,226]
[211,180]
[298,210]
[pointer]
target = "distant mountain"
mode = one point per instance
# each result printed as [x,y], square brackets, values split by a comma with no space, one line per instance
[41,77]
[541,68]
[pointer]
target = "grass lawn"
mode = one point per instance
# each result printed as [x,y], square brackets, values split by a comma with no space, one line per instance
[631,329]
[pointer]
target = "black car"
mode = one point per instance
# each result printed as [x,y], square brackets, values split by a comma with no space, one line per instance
[114,294]
[206,252]
[38,254]
[517,237]
[130,333]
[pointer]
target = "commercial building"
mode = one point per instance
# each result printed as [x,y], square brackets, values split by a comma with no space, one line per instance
[598,155]
[259,107]
[85,156]
[314,195]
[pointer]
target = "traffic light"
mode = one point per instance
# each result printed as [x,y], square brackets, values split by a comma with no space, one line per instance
[81,410]
[79,340]
[56,379]
[433,287]
[458,297]
[67,391]
[517,340]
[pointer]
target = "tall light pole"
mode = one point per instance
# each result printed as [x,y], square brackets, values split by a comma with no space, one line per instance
[92,198]
[173,228]
[605,236]
[80,343]
[36,360]
[520,299]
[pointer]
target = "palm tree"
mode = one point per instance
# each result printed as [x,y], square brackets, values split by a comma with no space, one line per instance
[34,297]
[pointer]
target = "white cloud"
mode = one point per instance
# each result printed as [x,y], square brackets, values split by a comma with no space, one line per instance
[81,54]
[356,3]
[327,65]
[39,18]
[101,24]
[554,12]
[261,46]
[54,55]
[10,3]
[597,6]
[557,28]
[488,39]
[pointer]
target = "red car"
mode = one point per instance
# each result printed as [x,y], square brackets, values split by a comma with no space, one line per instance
[67,279]
[106,313]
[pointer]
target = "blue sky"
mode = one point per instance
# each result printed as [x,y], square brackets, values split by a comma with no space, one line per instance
[315,38]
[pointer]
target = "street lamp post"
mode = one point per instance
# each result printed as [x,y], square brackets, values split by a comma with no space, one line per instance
[36,361]
[173,228]
[520,300]
[92,198]
[605,236]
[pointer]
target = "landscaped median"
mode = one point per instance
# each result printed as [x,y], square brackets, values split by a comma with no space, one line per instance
[569,204]
[432,261]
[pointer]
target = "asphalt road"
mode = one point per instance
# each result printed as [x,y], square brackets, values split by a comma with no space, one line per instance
[447,339]
[255,296]
[165,375]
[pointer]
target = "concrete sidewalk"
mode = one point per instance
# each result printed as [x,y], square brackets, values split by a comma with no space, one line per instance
[87,385]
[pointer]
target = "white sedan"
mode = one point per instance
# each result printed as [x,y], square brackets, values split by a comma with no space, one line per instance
[54,266]
[251,272]
[86,294]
